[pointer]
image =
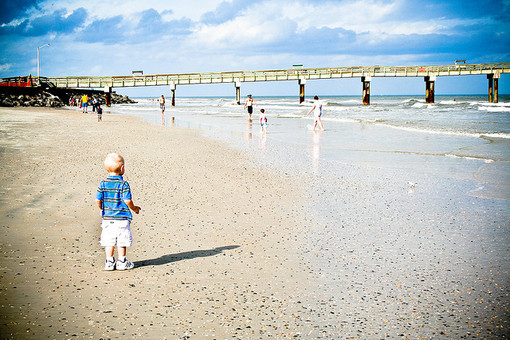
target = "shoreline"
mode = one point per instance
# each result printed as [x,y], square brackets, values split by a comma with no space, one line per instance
[226,246]
[379,135]
[456,157]
[419,95]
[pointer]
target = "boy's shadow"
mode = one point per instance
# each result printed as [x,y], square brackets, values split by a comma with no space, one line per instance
[182,256]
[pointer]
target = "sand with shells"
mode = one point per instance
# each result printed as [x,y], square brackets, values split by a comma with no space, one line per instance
[222,252]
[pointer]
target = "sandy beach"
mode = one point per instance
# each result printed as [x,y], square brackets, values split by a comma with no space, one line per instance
[225,249]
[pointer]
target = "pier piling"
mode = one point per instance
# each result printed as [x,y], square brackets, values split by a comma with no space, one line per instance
[496,81]
[429,88]
[366,89]
[238,92]
[108,95]
[302,82]
[493,87]
[172,89]
[490,78]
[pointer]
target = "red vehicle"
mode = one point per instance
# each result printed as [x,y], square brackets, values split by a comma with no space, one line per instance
[17,82]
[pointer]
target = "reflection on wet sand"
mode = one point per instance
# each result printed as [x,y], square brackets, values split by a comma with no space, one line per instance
[316,150]
[262,141]
[249,134]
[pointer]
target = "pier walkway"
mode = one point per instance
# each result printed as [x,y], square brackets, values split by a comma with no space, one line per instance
[365,73]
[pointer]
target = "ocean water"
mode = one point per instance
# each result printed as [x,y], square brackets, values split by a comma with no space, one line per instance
[462,138]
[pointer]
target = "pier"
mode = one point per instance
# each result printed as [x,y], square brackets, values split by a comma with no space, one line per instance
[429,73]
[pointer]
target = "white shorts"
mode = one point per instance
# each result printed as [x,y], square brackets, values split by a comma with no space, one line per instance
[116,233]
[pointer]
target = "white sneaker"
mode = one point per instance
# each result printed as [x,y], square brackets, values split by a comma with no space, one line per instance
[125,265]
[109,265]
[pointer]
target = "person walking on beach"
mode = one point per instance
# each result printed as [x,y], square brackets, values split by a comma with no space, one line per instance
[317,112]
[113,197]
[84,103]
[162,108]
[99,113]
[94,104]
[263,121]
[249,104]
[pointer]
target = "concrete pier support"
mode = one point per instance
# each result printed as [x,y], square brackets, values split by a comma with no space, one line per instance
[429,88]
[172,89]
[496,85]
[493,87]
[366,89]
[302,83]
[108,95]
[238,92]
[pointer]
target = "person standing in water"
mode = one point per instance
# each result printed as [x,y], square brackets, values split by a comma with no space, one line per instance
[162,104]
[263,121]
[317,112]
[162,108]
[249,104]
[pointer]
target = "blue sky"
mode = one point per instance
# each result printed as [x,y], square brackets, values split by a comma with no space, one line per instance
[165,36]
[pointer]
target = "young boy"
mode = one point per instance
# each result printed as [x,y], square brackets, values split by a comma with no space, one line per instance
[114,199]
[99,113]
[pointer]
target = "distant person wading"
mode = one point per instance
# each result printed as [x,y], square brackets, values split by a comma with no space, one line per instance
[162,108]
[249,104]
[317,112]
[162,104]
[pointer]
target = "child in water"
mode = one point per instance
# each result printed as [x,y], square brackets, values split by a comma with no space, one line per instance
[263,121]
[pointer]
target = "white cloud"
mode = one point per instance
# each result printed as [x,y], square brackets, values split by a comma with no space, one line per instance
[5,67]
[243,32]
[267,22]
[354,15]
[100,9]
[433,26]
[360,16]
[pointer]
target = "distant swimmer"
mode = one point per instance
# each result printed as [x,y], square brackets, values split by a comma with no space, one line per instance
[249,104]
[317,112]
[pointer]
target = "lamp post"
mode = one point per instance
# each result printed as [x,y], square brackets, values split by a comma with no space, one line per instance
[38,64]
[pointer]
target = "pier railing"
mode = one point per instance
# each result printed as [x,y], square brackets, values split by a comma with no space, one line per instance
[279,75]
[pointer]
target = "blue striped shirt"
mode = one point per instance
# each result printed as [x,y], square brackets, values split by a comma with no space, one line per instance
[112,192]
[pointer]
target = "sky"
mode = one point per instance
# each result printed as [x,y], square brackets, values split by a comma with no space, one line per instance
[104,38]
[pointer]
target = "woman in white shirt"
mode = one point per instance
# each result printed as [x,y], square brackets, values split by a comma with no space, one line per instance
[317,112]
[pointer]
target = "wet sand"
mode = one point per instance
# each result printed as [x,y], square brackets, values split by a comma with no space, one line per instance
[225,249]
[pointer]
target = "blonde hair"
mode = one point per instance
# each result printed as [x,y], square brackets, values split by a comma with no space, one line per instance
[113,162]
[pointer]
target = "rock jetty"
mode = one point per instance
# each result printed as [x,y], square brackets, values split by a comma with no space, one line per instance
[116,98]
[38,99]
[52,97]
